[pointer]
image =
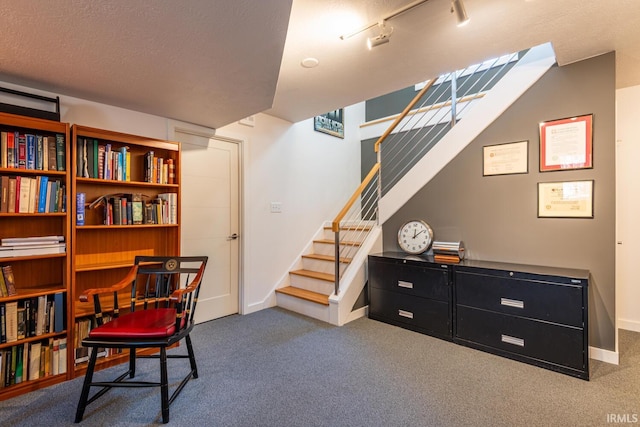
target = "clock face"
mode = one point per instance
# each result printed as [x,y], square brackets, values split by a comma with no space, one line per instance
[415,237]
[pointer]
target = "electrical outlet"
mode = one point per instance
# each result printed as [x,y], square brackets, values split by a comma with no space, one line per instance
[276,207]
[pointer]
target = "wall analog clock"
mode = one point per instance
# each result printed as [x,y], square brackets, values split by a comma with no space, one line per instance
[415,237]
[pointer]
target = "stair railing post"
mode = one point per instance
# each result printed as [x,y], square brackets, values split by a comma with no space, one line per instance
[337,261]
[454,97]
[379,160]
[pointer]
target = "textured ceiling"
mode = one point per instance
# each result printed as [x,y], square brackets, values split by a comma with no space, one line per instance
[212,62]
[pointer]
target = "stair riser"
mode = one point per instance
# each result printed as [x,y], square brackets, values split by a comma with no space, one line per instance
[304,307]
[347,251]
[311,284]
[348,235]
[321,266]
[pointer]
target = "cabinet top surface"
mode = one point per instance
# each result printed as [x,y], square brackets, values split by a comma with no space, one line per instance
[491,265]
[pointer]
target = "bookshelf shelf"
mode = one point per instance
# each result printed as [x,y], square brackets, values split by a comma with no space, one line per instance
[104,247]
[41,281]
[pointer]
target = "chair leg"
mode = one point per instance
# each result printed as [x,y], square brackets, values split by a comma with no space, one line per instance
[86,386]
[132,362]
[192,357]
[164,387]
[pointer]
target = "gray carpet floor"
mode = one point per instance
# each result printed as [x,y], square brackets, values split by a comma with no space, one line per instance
[276,368]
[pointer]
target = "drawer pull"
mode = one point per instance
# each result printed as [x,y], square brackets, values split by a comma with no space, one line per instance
[513,340]
[576,281]
[407,314]
[512,302]
[403,284]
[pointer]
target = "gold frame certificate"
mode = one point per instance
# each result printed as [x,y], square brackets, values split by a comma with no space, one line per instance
[567,199]
[505,159]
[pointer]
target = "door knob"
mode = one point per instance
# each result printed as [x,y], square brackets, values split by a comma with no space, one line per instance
[234,236]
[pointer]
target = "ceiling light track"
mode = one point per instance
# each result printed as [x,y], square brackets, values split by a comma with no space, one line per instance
[457,7]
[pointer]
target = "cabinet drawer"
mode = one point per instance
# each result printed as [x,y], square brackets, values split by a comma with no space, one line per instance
[557,344]
[428,282]
[553,302]
[427,314]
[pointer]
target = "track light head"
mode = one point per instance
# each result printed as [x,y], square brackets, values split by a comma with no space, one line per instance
[457,7]
[382,38]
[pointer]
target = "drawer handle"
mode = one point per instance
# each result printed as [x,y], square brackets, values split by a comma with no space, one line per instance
[512,302]
[513,340]
[403,284]
[407,314]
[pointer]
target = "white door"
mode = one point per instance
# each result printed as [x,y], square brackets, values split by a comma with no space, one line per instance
[210,219]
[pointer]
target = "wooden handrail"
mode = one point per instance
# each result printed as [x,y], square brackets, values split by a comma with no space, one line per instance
[402,115]
[335,225]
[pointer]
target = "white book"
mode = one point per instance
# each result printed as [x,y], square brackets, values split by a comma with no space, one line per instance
[10,241]
[25,188]
[33,194]
[55,357]
[34,360]
[40,316]
[11,312]
[62,356]
[44,250]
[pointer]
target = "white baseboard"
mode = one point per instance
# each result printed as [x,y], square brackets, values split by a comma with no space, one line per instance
[629,325]
[603,355]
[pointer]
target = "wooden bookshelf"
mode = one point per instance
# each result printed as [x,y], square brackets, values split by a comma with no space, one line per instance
[103,250]
[38,278]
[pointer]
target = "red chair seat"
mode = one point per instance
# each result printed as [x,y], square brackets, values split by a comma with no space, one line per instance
[150,323]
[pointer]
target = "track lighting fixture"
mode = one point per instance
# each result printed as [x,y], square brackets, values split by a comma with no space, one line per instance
[382,38]
[457,7]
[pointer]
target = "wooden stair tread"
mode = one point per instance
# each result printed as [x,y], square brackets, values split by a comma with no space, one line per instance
[305,294]
[344,260]
[315,275]
[331,242]
[350,227]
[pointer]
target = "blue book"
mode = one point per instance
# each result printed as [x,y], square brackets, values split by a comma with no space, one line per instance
[58,312]
[42,194]
[80,202]
[31,151]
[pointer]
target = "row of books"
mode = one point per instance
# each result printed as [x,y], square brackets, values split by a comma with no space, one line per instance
[102,161]
[158,170]
[131,209]
[28,246]
[23,194]
[31,361]
[7,281]
[29,151]
[31,317]
[82,329]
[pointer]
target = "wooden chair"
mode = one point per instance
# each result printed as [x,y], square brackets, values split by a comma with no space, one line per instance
[160,315]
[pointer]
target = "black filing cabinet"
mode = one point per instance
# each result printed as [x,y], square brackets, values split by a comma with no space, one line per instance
[532,314]
[412,292]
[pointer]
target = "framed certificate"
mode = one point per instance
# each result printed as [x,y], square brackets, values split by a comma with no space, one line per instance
[566,144]
[504,159]
[568,199]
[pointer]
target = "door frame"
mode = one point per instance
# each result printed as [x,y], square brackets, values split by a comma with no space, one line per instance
[174,126]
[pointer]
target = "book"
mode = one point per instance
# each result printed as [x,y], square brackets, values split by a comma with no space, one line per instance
[40,315]
[19,364]
[3,150]
[11,150]
[34,361]
[22,322]
[35,240]
[22,150]
[39,152]
[45,153]
[11,313]
[60,152]
[55,358]
[4,292]
[11,380]
[80,202]
[171,178]
[13,187]
[25,188]
[136,208]
[7,272]
[3,324]
[33,195]
[46,249]
[62,356]
[4,200]
[100,157]
[59,310]
[51,153]
[31,150]
[85,160]
[42,194]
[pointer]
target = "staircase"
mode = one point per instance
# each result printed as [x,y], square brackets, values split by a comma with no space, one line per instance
[312,284]
[427,135]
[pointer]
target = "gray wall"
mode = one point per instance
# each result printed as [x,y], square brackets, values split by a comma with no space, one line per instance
[496,216]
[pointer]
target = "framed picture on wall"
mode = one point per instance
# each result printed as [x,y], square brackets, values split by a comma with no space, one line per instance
[567,199]
[331,123]
[505,159]
[566,143]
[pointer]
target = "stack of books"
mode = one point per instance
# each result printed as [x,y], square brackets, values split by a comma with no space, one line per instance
[29,246]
